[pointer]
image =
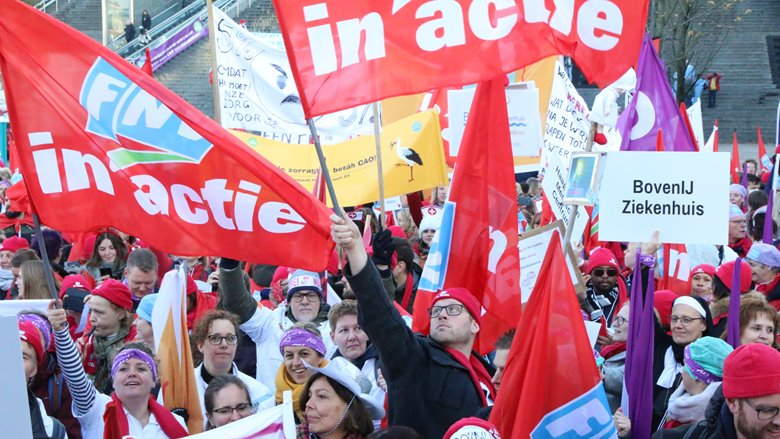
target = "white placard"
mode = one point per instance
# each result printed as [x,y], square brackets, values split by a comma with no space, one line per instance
[593,329]
[554,185]
[525,127]
[12,307]
[14,408]
[533,246]
[683,195]
[567,125]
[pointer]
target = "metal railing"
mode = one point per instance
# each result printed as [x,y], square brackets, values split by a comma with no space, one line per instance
[43,4]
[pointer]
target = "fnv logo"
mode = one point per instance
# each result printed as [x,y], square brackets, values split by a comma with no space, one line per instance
[117,107]
[587,416]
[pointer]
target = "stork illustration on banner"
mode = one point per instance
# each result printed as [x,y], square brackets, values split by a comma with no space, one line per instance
[407,155]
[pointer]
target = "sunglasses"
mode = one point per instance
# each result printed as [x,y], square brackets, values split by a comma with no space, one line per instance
[600,272]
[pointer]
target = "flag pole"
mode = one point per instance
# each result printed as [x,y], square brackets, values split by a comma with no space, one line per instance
[324,167]
[573,214]
[49,273]
[378,143]
[214,76]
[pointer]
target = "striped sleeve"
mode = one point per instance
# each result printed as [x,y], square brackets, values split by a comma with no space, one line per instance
[81,388]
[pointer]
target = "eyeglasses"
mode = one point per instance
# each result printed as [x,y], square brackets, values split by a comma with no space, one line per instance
[764,413]
[738,221]
[599,272]
[310,297]
[684,320]
[619,321]
[242,409]
[216,339]
[452,310]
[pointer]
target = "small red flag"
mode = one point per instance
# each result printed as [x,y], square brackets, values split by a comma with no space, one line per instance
[551,386]
[763,157]
[736,168]
[147,67]
[659,141]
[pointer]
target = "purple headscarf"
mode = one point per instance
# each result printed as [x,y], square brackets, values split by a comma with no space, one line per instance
[302,338]
[128,354]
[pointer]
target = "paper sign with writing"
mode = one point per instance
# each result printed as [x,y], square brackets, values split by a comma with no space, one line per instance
[683,195]
[533,246]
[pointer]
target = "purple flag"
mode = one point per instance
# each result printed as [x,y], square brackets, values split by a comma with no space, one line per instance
[769,232]
[653,107]
[732,336]
[639,355]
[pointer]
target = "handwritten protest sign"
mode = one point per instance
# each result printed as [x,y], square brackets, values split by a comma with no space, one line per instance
[412,160]
[533,246]
[566,130]
[684,195]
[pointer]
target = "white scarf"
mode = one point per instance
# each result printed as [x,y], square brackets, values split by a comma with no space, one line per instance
[671,369]
[686,408]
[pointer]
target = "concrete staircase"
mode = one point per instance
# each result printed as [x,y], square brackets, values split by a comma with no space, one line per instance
[748,97]
[83,15]
[188,73]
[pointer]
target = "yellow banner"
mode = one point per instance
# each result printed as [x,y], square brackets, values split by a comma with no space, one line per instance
[412,160]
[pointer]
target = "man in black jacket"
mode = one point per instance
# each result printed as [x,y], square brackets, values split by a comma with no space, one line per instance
[432,381]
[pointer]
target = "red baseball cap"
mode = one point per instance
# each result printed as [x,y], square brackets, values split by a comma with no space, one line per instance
[14,244]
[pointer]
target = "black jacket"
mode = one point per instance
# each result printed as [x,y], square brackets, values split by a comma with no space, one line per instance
[428,390]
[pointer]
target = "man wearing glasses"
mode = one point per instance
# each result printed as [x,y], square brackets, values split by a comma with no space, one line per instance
[305,303]
[432,381]
[738,239]
[603,288]
[750,401]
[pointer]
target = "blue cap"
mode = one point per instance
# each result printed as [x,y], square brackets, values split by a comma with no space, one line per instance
[146,306]
[766,254]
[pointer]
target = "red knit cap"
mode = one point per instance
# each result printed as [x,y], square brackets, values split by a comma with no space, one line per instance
[726,274]
[115,292]
[751,371]
[663,300]
[14,244]
[31,334]
[75,281]
[602,257]
[706,269]
[472,428]
[463,296]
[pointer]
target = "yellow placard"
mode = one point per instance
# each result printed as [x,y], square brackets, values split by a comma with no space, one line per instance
[412,160]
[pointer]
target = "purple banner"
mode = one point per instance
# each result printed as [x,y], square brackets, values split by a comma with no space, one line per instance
[164,49]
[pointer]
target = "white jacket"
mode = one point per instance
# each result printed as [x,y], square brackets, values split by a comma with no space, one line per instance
[266,333]
[280,316]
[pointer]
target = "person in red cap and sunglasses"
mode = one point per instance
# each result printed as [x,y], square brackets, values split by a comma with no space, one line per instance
[606,288]
[432,381]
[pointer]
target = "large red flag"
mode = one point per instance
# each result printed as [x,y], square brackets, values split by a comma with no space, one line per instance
[347,53]
[100,144]
[551,387]
[735,165]
[476,246]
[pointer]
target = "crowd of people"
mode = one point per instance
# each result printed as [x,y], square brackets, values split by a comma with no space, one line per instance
[340,341]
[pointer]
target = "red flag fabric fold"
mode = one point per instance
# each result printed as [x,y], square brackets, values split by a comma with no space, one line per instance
[735,165]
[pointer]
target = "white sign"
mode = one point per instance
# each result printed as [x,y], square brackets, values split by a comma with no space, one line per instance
[533,246]
[14,408]
[567,120]
[694,116]
[525,128]
[12,307]
[683,195]
[554,185]
[257,91]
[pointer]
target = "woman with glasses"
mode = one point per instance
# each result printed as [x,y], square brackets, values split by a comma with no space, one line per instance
[215,336]
[300,345]
[614,356]
[227,400]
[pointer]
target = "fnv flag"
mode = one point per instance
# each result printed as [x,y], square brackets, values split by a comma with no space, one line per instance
[348,53]
[178,384]
[274,423]
[101,143]
[551,387]
[476,245]
[257,91]
[653,108]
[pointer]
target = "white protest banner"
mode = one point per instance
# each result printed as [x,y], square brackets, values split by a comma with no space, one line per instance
[533,246]
[683,195]
[12,307]
[567,120]
[274,423]
[257,91]
[694,116]
[554,185]
[525,127]
[14,407]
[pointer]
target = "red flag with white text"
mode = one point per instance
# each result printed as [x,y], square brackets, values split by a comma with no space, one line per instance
[347,53]
[551,387]
[676,269]
[476,245]
[100,144]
